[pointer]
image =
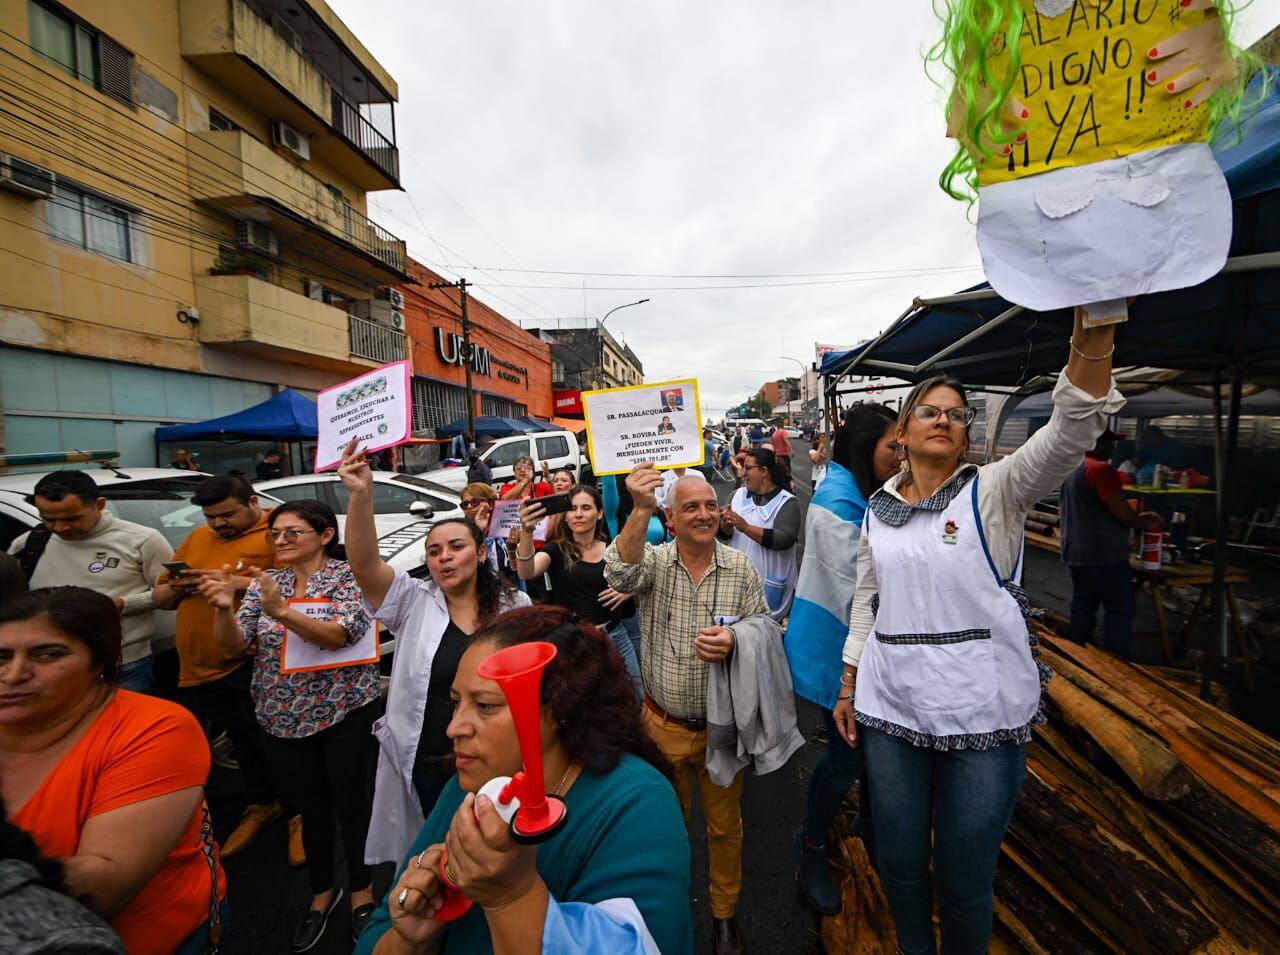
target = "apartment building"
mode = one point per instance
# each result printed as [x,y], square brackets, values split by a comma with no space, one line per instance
[585,355]
[183,218]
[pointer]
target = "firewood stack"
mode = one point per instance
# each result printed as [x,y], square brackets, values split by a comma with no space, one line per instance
[1149,823]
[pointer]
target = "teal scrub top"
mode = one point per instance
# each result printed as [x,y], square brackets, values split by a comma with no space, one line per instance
[625,838]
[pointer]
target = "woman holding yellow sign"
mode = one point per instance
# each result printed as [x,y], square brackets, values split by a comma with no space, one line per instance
[316,721]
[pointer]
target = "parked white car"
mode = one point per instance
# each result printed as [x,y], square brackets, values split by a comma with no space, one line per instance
[408,496]
[559,449]
[161,498]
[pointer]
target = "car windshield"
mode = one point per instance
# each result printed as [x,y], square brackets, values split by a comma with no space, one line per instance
[163,504]
[425,485]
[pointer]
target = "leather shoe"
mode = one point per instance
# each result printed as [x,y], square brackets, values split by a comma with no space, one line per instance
[297,854]
[727,936]
[360,918]
[819,889]
[311,928]
[254,819]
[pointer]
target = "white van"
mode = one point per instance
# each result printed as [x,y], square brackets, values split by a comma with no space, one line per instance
[559,449]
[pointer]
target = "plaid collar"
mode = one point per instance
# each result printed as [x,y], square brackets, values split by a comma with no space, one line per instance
[888,505]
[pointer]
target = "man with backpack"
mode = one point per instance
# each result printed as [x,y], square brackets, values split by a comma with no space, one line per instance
[82,544]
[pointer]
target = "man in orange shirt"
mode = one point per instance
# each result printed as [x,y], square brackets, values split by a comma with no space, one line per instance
[214,686]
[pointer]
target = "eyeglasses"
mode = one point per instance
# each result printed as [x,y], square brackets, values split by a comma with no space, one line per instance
[290,536]
[474,502]
[961,414]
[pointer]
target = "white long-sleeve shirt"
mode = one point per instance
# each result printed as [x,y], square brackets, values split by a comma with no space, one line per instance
[1008,489]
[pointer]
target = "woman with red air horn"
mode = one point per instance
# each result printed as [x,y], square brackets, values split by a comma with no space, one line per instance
[611,871]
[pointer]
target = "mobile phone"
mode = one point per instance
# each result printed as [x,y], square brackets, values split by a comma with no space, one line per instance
[556,503]
[177,567]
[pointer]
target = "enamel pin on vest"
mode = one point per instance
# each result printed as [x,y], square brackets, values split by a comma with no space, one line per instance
[949,532]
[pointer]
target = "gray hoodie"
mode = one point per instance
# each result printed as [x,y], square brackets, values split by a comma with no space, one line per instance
[751,709]
[36,920]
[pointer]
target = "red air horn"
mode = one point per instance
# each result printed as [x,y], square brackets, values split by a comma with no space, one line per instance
[522,799]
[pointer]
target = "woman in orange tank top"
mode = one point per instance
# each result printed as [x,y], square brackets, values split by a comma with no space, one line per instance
[108,781]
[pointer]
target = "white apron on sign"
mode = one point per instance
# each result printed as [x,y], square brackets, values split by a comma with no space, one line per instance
[777,567]
[949,655]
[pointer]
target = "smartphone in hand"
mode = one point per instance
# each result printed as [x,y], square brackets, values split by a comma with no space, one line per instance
[555,503]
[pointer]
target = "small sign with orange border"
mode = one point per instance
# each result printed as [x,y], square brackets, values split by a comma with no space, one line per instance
[302,656]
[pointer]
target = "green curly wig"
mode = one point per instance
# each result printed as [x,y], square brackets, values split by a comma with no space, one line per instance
[972,29]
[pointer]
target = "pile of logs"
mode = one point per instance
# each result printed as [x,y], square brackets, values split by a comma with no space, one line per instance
[1149,823]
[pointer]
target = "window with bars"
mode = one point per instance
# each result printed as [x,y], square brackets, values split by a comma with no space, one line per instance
[220,123]
[502,407]
[436,404]
[81,51]
[90,222]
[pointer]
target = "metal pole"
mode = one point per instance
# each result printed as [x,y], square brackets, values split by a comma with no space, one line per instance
[803,393]
[461,286]
[600,334]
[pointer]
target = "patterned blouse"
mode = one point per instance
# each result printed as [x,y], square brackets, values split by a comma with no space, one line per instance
[296,705]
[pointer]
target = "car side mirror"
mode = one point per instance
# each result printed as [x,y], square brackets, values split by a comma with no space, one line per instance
[421,509]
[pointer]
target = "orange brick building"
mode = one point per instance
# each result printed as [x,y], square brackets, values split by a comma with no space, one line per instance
[510,370]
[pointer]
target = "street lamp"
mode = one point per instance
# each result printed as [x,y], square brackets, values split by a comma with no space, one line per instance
[600,336]
[804,394]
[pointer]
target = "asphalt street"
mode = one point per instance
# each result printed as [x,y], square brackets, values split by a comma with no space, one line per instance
[267,897]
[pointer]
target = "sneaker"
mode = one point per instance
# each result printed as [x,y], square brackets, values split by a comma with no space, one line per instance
[820,890]
[297,854]
[224,754]
[311,928]
[254,819]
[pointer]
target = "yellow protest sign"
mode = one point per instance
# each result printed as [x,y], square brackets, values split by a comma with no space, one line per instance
[1086,86]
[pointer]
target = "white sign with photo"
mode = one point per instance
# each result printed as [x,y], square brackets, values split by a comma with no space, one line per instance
[629,426]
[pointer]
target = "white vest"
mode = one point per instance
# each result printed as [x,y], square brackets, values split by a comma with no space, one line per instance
[949,654]
[777,567]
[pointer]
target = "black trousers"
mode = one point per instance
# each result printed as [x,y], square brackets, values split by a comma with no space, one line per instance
[226,702]
[326,774]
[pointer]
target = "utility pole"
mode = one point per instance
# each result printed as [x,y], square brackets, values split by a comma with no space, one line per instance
[461,286]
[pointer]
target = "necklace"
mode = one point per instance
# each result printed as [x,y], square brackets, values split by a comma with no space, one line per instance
[560,785]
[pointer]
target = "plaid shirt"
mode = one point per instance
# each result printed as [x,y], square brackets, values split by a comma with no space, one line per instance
[672,611]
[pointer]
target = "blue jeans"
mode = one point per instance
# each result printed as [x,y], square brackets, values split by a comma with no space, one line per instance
[838,768]
[136,676]
[622,640]
[197,943]
[1110,585]
[966,797]
[632,625]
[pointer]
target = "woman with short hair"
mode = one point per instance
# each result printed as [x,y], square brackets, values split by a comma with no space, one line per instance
[107,781]
[615,879]
[947,687]
[316,722]
[763,521]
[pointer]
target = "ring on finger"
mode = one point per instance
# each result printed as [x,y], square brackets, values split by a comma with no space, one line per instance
[417,863]
[400,899]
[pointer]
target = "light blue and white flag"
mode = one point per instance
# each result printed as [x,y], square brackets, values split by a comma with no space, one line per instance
[828,575]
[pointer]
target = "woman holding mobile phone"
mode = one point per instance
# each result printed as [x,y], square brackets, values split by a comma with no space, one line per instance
[575,564]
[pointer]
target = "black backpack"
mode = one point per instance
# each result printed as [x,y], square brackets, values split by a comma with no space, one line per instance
[32,550]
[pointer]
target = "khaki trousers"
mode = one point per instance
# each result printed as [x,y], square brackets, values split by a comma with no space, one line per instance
[721,806]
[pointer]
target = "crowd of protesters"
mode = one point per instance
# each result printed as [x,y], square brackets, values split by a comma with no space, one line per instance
[673,678]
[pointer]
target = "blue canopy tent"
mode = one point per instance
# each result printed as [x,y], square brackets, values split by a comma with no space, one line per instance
[489,425]
[539,423]
[287,416]
[1223,327]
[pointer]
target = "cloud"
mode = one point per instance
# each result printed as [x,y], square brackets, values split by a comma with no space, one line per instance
[669,137]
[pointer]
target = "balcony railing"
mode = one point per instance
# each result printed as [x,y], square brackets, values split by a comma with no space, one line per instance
[376,342]
[362,134]
[377,241]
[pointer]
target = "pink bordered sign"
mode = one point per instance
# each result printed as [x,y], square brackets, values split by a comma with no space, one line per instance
[374,408]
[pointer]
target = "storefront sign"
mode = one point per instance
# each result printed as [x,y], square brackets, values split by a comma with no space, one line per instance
[568,402]
[450,348]
[373,408]
[658,423]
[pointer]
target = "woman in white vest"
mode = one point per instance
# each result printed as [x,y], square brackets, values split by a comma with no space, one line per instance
[432,621]
[763,521]
[947,687]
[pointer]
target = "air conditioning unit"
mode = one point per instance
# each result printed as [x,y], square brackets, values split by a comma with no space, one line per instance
[392,295]
[397,321]
[18,175]
[288,33]
[256,237]
[314,289]
[282,134]
[377,310]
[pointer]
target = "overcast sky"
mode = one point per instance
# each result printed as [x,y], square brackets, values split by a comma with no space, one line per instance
[671,137]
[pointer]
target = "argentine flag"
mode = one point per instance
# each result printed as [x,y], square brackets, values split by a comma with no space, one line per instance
[828,574]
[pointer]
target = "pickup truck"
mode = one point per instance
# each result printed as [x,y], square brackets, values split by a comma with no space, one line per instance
[559,449]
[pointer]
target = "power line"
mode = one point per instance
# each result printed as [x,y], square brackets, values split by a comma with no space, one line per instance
[909,272]
[716,288]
